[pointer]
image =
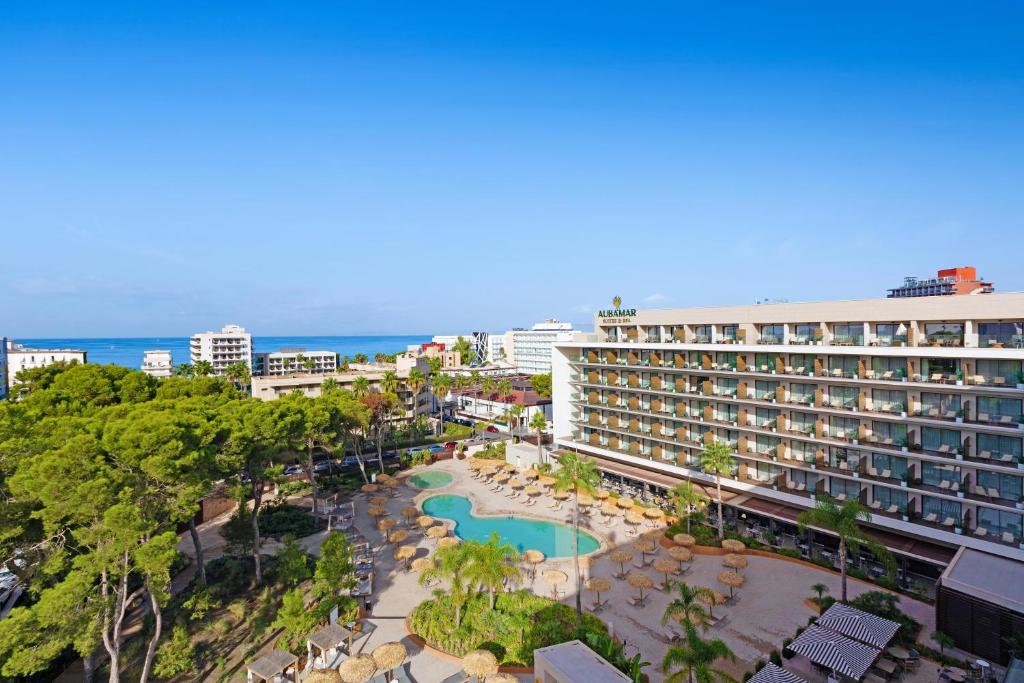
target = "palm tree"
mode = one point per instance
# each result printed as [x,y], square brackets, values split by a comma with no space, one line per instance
[578,475]
[238,373]
[717,459]
[491,564]
[692,660]
[184,370]
[842,520]
[819,589]
[309,364]
[686,609]
[538,424]
[441,384]
[416,381]
[359,358]
[687,498]
[360,387]
[487,387]
[505,389]
[300,360]
[344,364]
[389,383]
[202,368]
[287,364]
[513,414]
[329,385]
[450,564]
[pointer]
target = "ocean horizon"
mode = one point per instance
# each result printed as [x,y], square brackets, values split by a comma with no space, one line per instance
[128,351]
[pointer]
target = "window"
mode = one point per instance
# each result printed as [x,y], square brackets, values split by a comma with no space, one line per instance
[890,498]
[888,334]
[945,334]
[1007,485]
[727,387]
[728,412]
[763,362]
[843,488]
[802,393]
[843,366]
[729,332]
[762,471]
[889,432]
[1006,334]
[726,360]
[999,522]
[888,401]
[848,333]
[843,397]
[804,451]
[804,332]
[765,390]
[996,446]
[933,474]
[772,334]
[942,509]
[802,422]
[801,363]
[993,409]
[843,427]
[764,417]
[939,369]
[702,334]
[1005,369]
[808,479]
[893,464]
[939,405]
[889,368]
[840,457]
[941,440]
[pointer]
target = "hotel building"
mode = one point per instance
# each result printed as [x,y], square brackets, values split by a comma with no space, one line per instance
[20,358]
[913,406]
[3,368]
[530,350]
[157,363]
[221,349]
[289,361]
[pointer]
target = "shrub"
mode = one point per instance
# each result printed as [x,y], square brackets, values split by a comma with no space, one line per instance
[747,675]
[279,520]
[229,576]
[292,563]
[827,602]
[775,658]
[177,655]
[790,552]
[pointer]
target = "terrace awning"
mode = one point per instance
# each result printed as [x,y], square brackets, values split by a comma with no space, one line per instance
[271,664]
[859,625]
[834,651]
[770,673]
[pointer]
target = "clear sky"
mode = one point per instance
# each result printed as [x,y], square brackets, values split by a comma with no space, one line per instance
[429,167]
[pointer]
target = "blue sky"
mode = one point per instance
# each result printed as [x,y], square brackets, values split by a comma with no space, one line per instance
[347,168]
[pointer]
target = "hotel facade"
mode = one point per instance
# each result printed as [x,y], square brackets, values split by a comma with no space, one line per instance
[913,406]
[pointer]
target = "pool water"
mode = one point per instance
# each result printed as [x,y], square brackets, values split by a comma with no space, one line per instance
[554,539]
[431,479]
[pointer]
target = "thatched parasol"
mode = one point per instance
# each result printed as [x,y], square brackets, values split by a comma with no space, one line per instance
[437,532]
[585,499]
[664,566]
[447,542]
[731,579]
[516,482]
[501,678]
[716,598]
[586,562]
[480,663]
[369,488]
[358,668]
[386,524]
[733,546]
[684,540]
[598,585]
[641,582]
[409,512]
[644,546]
[533,558]
[531,490]
[634,518]
[680,555]
[655,515]
[610,510]
[425,521]
[421,564]
[555,577]
[502,477]
[377,512]
[625,503]
[560,495]
[379,500]
[389,656]
[601,494]
[736,562]
[398,536]
[546,481]
[404,553]
[621,557]
[531,473]
[322,676]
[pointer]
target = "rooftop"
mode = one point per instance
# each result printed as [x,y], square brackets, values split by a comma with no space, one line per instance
[984,576]
[577,662]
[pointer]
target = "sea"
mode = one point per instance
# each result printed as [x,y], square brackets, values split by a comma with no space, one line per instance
[127,351]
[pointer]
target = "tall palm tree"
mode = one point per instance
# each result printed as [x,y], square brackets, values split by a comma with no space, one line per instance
[344,364]
[491,564]
[450,564]
[579,475]
[842,520]
[416,381]
[538,424]
[487,387]
[359,358]
[505,389]
[686,498]
[390,383]
[309,364]
[441,384]
[287,364]
[687,608]
[694,658]
[514,414]
[717,459]
[329,385]
[202,368]
[361,387]
[238,373]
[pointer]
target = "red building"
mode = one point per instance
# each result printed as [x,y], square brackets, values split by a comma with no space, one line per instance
[947,282]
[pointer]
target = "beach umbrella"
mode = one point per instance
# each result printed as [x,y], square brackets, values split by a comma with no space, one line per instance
[501,477]
[585,499]
[546,481]
[398,536]
[665,566]
[533,558]
[358,668]
[379,500]
[480,663]
[736,562]
[733,546]
[501,678]
[609,510]
[404,553]
[421,564]
[389,656]
[601,494]
[531,490]
[625,503]
[641,582]
[390,484]
[509,467]
[634,518]
[409,512]
[369,488]
[680,555]
[425,521]
[555,577]
[621,557]
[377,512]
[560,495]
[447,541]
[386,524]
[654,514]
[598,585]
[516,483]
[437,532]
[731,579]
[531,473]
[684,540]
[644,546]
[716,598]
[322,676]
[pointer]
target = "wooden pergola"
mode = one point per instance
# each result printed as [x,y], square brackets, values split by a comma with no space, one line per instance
[271,664]
[327,639]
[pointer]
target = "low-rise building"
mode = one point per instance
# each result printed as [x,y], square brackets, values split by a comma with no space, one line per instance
[476,404]
[574,662]
[221,349]
[157,363]
[449,359]
[20,357]
[294,360]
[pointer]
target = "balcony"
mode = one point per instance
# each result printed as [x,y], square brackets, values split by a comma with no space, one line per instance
[848,340]
[769,339]
[890,340]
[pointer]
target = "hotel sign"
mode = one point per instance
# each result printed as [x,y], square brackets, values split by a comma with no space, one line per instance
[616,315]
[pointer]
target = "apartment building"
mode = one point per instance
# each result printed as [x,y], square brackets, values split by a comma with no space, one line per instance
[20,357]
[3,368]
[912,406]
[947,282]
[530,350]
[221,349]
[157,363]
[294,360]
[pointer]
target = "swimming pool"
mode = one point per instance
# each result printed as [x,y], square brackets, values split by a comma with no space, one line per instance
[554,539]
[431,479]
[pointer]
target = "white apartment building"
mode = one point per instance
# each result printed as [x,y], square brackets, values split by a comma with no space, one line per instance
[530,350]
[21,358]
[495,348]
[231,345]
[291,361]
[3,368]
[157,363]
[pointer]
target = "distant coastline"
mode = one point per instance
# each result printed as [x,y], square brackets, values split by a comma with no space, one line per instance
[127,351]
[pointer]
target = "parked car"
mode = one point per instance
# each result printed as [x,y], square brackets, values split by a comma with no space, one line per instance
[492,429]
[390,455]
[328,467]
[436,448]
[416,449]
[292,470]
[451,445]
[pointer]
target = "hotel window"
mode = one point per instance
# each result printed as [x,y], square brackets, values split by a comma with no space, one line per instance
[804,451]
[731,438]
[844,456]
[801,363]
[726,360]
[999,522]
[729,332]
[653,334]
[939,369]
[808,479]
[848,333]
[765,390]
[772,334]
[843,397]
[766,445]
[764,362]
[945,334]
[842,366]
[839,487]
[802,422]
[802,393]
[933,474]
[888,401]
[995,409]
[693,359]
[889,334]
[702,334]
[727,387]
[804,333]
[894,464]
[1005,369]
[1009,486]
[762,471]
[1001,334]
[843,427]
[889,368]
[939,405]
[942,509]
[997,446]
[889,497]
[935,439]
[728,412]
[889,432]
[765,417]
[668,453]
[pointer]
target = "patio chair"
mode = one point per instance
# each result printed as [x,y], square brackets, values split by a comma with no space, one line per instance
[1007,537]
[876,504]
[892,509]
[993,492]
[986,455]
[935,377]
[933,412]
[982,417]
[944,448]
[1005,419]
[948,521]
[888,374]
[930,517]
[980,531]
[999,380]
[979,490]
[944,484]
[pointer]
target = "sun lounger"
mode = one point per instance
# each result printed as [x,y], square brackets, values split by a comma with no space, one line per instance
[993,492]
[1005,419]
[944,484]
[892,509]
[948,521]
[876,504]
[886,474]
[931,517]
[980,531]
[1007,537]
[887,374]
[982,417]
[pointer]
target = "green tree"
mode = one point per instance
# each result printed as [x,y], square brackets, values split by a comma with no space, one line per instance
[465,351]
[717,459]
[238,373]
[943,640]
[686,607]
[202,368]
[184,370]
[693,660]
[441,385]
[294,619]
[539,423]
[685,499]
[287,363]
[361,386]
[505,389]
[321,423]
[416,381]
[843,520]
[329,385]
[292,562]
[177,655]
[491,564]
[542,384]
[450,564]
[487,387]
[389,382]
[359,358]
[578,475]
[819,590]
[335,569]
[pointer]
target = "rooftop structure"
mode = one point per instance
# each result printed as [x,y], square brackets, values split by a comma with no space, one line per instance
[573,662]
[948,282]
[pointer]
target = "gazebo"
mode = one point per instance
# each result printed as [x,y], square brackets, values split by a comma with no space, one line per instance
[772,673]
[862,626]
[842,655]
[329,640]
[272,664]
